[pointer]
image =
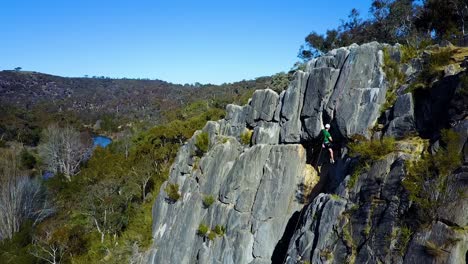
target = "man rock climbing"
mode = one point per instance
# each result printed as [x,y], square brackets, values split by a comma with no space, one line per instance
[327,142]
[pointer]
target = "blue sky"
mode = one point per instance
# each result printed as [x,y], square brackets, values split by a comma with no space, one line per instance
[180,41]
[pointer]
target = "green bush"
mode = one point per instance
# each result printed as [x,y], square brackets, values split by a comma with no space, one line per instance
[408,52]
[428,175]
[440,59]
[433,68]
[403,240]
[202,230]
[202,142]
[28,161]
[219,230]
[246,137]
[208,200]
[172,191]
[211,236]
[432,249]
[372,150]
[394,76]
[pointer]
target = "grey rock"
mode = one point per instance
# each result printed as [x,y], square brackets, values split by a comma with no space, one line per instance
[266,133]
[277,116]
[451,69]
[262,106]
[439,244]
[290,112]
[319,89]
[403,122]
[359,92]
[256,191]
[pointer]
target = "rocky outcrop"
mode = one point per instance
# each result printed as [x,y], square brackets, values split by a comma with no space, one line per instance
[403,123]
[271,201]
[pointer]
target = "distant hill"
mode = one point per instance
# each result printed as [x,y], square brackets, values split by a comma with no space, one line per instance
[91,98]
[87,100]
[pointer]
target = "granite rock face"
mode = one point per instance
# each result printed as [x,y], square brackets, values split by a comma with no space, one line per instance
[403,123]
[276,202]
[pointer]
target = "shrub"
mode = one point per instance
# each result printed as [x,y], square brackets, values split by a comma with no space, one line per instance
[28,161]
[449,158]
[426,178]
[211,236]
[220,230]
[355,176]
[408,52]
[440,59]
[404,239]
[432,249]
[208,200]
[172,191]
[394,77]
[202,142]
[246,137]
[202,230]
[432,68]
[372,150]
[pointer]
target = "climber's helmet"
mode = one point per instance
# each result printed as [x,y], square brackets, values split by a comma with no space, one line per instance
[327,126]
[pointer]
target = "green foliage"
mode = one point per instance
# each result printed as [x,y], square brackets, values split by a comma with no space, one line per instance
[28,161]
[219,230]
[279,82]
[202,142]
[208,200]
[433,68]
[394,76]
[449,158]
[432,249]
[202,230]
[172,191]
[372,150]
[408,52]
[403,240]
[16,249]
[427,177]
[361,166]
[440,58]
[368,151]
[211,235]
[367,230]
[246,137]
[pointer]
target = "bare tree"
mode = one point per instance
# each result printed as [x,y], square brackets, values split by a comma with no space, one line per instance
[48,249]
[21,198]
[63,150]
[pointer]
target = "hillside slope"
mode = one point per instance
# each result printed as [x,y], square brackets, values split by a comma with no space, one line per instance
[30,100]
[256,187]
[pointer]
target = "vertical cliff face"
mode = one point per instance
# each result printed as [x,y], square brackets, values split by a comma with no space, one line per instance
[269,205]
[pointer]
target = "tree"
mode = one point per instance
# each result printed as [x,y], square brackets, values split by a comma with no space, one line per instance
[47,248]
[143,172]
[106,207]
[18,69]
[21,198]
[63,150]
[444,18]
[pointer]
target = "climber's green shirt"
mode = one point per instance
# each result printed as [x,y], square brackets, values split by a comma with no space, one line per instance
[326,136]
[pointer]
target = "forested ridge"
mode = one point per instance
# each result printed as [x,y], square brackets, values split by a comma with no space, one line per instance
[97,205]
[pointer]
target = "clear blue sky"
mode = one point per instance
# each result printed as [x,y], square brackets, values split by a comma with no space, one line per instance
[177,41]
